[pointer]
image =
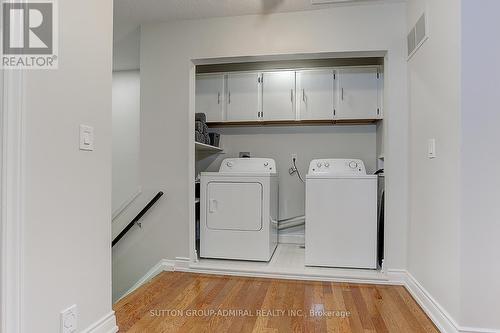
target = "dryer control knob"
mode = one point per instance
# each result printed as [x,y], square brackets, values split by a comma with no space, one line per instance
[266,164]
[229,164]
[319,164]
[353,165]
[327,165]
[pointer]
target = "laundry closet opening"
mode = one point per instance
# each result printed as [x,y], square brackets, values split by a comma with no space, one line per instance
[288,165]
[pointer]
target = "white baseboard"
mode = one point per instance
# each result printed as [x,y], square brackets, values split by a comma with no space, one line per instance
[291,239]
[106,324]
[397,276]
[162,265]
[441,318]
[181,263]
[289,276]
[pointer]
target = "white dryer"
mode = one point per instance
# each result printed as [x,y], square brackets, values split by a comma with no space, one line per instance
[239,210]
[341,214]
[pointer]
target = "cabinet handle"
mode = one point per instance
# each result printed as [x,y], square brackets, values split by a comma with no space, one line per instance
[303,95]
[212,206]
[291,95]
[229,97]
[342,94]
[218,97]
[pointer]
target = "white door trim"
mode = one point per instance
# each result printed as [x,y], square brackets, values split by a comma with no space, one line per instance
[12,172]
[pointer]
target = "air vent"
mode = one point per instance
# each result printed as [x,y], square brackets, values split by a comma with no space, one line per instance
[417,36]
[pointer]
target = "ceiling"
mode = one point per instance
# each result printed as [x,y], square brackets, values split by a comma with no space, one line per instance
[129,14]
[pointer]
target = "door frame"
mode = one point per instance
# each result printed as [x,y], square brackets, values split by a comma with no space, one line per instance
[11,218]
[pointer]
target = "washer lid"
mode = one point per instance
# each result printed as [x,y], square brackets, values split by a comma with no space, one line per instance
[248,165]
[334,167]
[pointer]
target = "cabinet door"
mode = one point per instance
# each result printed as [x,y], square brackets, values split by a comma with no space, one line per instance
[315,90]
[243,96]
[278,95]
[359,94]
[209,96]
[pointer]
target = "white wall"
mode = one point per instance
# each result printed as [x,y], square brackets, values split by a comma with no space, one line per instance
[126,137]
[479,244]
[167,142]
[454,252]
[307,142]
[126,51]
[433,257]
[67,192]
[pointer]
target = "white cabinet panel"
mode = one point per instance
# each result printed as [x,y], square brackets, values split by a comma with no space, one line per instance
[278,95]
[209,95]
[316,94]
[243,96]
[359,94]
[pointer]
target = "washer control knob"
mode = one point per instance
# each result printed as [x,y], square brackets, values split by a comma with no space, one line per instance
[266,164]
[229,164]
[319,164]
[327,165]
[353,165]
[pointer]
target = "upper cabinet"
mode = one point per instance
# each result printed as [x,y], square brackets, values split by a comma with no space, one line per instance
[336,94]
[210,95]
[359,93]
[316,94]
[243,97]
[278,95]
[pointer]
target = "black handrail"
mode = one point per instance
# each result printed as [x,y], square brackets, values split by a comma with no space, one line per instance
[137,218]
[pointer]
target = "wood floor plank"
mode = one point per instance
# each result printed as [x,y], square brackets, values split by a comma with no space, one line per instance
[362,309]
[370,295]
[133,307]
[392,313]
[416,311]
[355,317]
[338,299]
[211,303]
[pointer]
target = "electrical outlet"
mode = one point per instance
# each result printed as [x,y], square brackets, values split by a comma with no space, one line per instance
[294,157]
[69,319]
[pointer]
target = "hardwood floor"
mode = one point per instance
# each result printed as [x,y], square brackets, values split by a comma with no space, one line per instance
[186,302]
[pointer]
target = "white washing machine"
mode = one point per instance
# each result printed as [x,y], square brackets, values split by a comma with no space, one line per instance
[239,210]
[341,214]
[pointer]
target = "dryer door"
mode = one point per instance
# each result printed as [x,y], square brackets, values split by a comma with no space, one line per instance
[234,206]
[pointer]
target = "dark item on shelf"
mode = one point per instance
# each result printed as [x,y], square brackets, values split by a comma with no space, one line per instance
[214,139]
[199,126]
[199,137]
[200,117]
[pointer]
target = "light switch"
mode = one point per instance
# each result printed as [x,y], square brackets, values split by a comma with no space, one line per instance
[431,148]
[86,137]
